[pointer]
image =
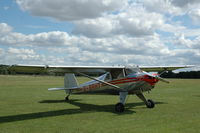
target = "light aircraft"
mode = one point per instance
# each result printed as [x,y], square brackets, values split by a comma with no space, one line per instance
[122,80]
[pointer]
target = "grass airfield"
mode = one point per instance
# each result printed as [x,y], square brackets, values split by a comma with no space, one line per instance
[26,106]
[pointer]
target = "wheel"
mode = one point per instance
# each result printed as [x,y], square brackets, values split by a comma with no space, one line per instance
[66,98]
[150,103]
[119,107]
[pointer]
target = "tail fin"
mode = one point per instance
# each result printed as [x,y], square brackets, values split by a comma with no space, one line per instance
[70,81]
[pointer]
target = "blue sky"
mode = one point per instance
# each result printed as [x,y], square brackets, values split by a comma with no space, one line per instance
[24,22]
[93,32]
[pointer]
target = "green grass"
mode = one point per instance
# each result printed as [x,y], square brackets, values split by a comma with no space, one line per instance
[27,107]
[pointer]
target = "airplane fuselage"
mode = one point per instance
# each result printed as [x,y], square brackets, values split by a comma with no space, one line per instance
[132,83]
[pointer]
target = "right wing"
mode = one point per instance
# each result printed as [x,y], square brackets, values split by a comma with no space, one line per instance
[163,68]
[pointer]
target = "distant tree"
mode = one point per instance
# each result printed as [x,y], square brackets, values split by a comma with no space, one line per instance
[191,74]
[4,69]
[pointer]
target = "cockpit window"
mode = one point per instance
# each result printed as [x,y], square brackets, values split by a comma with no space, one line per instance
[131,71]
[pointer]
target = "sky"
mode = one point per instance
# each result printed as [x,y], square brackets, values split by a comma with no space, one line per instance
[100,32]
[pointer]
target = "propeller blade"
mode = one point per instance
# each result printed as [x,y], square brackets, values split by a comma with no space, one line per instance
[157,77]
[162,79]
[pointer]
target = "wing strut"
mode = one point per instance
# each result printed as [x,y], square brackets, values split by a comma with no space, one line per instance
[101,81]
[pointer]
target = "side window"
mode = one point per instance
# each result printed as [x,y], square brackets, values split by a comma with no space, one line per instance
[108,77]
[129,71]
[116,73]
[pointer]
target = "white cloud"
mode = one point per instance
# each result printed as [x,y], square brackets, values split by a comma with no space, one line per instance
[55,38]
[61,48]
[195,15]
[133,21]
[138,22]
[69,10]
[27,56]
[4,28]
[1,51]
[189,43]
[183,3]
[21,51]
[170,7]
[162,6]
[100,27]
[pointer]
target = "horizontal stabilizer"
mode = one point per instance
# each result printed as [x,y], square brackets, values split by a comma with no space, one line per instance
[55,89]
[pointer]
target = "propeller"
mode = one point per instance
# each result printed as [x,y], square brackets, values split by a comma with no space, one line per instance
[157,77]
[161,79]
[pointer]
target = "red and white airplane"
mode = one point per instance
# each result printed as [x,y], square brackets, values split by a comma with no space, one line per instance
[118,79]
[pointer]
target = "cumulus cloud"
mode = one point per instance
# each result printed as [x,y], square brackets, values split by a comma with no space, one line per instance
[181,40]
[1,51]
[69,10]
[27,56]
[19,55]
[170,7]
[5,28]
[119,44]
[100,27]
[93,18]
[55,38]
[182,3]
[162,6]
[21,51]
[106,32]
[195,15]
[61,48]
[133,21]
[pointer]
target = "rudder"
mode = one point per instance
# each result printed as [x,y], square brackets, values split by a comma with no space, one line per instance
[70,81]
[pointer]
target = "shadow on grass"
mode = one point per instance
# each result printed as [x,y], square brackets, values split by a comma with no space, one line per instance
[84,108]
[197,95]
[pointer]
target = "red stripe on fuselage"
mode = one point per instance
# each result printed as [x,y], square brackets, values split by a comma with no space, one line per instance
[124,79]
[145,78]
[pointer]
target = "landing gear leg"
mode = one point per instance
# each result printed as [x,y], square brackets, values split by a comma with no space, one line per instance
[119,107]
[67,97]
[149,103]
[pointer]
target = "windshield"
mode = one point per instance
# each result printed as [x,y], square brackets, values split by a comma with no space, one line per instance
[133,70]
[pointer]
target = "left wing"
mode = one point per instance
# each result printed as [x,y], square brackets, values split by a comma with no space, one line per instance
[64,69]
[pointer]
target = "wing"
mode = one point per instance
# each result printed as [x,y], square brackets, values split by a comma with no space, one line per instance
[64,69]
[163,68]
[87,69]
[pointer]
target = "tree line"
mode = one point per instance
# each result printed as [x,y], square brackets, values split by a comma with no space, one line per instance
[189,74]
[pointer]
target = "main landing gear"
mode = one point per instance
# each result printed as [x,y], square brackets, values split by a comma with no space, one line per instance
[67,97]
[119,107]
[149,103]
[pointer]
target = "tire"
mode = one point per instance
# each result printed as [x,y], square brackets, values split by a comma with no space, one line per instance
[150,103]
[119,107]
[66,98]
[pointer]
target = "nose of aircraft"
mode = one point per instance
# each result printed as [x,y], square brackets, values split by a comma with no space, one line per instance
[156,76]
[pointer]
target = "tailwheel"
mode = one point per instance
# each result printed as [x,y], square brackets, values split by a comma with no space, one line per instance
[119,107]
[150,103]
